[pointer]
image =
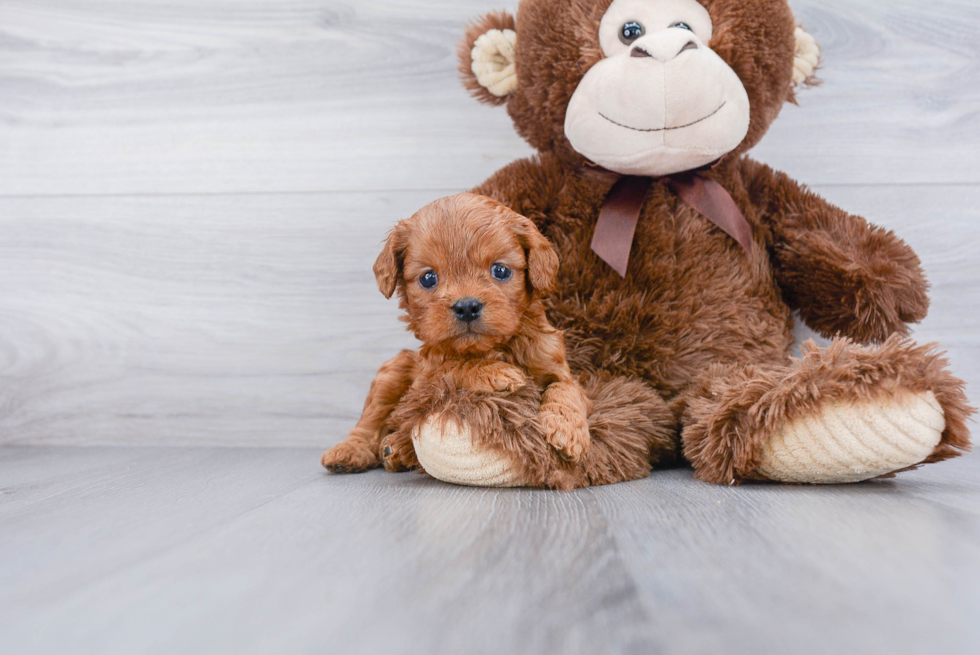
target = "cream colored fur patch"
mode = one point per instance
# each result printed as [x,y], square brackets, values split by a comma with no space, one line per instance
[807,57]
[493,61]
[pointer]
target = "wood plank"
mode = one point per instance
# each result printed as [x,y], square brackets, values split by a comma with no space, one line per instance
[780,569]
[101,510]
[285,95]
[170,314]
[204,554]
[256,550]
[255,320]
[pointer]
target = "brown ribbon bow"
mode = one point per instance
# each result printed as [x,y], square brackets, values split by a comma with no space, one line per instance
[613,236]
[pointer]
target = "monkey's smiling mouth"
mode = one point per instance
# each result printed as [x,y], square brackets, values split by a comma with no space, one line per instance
[663,129]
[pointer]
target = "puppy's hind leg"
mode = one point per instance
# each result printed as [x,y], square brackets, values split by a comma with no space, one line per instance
[360,451]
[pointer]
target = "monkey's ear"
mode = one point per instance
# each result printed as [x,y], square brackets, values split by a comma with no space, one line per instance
[542,260]
[487,56]
[805,60]
[388,266]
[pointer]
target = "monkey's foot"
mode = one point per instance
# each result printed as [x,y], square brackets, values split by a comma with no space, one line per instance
[447,453]
[848,441]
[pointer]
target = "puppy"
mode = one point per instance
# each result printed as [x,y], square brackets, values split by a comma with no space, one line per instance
[469,273]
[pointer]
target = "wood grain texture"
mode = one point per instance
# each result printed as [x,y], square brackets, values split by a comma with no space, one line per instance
[166,319]
[255,320]
[880,568]
[191,197]
[211,181]
[197,550]
[225,96]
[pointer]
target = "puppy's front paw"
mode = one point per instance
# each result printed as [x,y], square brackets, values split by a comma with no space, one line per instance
[566,429]
[506,379]
[350,457]
[398,454]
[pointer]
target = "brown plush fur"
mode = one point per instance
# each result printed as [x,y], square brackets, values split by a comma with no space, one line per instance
[628,424]
[503,375]
[559,41]
[696,320]
[735,410]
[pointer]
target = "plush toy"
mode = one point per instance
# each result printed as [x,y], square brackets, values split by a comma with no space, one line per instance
[682,259]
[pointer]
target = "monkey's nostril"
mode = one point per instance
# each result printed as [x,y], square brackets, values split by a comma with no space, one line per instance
[690,45]
[638,51]
[468,309]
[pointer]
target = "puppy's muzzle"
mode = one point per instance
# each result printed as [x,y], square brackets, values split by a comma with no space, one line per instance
[467,310]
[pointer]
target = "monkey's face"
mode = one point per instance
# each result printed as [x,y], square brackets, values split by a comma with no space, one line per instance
[649,87]
[660,101]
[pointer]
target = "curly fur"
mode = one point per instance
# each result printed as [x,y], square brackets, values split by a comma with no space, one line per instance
[623,431]
[504,375]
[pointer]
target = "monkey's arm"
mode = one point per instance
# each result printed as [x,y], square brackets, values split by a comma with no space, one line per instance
[360,450]
[527,186]
[844,275]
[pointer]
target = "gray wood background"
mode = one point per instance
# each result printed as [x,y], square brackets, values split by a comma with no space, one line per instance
[192,194]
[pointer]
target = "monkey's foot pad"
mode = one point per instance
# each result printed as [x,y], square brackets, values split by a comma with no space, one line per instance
[853,441]
[447,453]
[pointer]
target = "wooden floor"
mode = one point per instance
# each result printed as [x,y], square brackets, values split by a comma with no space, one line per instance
[192,193]
[248,550]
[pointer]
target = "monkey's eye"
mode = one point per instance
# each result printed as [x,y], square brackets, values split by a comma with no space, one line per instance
[500,272]
[428,280]
[683,26]
[630,32]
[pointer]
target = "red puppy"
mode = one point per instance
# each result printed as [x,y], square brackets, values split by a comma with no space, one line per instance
[469,273]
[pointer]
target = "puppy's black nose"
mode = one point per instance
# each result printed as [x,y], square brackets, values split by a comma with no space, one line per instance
[468,309]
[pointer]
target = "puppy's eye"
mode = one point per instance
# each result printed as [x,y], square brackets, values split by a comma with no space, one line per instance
[428,280]
[500,272]
[683,26]
[630,32]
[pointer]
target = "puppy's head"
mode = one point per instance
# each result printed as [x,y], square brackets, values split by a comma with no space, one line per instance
[465,268]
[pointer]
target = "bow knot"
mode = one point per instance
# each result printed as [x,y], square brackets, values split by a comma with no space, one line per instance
[620,213]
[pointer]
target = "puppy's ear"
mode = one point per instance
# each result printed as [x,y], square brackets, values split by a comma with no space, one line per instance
[487,58]
[388,266]
[542,260]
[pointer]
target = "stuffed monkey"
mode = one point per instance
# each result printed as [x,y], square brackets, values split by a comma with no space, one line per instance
[682,259]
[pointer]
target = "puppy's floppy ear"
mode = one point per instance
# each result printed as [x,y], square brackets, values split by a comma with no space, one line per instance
[388,266]
[542,260]
[487,58]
